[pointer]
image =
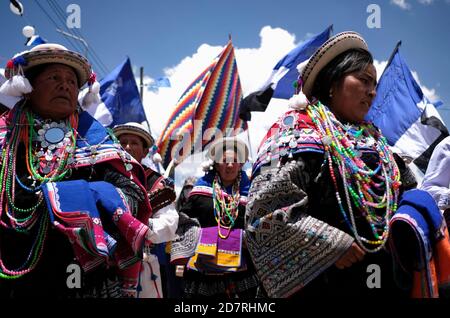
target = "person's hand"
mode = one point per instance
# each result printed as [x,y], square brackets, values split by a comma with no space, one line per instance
[352,255]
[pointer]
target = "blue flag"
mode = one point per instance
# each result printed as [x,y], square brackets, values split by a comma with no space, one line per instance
[408,120]
[121,97]
[158,83]
[162,82]
[35,40]
[285,72]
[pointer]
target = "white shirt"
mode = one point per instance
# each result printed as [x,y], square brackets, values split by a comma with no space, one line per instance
[163,225]
[437,177]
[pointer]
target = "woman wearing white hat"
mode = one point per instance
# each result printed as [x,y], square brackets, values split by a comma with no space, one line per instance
[63,178]
[137,141]
[218,264]
[326,184]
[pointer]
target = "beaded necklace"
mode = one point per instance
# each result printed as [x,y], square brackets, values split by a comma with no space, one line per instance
[360,182]
[225,206]
[49,148]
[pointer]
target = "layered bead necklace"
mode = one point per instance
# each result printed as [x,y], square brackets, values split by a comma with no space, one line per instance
[49,150]
[360,183]
[225,206]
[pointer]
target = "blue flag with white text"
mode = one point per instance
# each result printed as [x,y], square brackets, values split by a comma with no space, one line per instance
[120,95]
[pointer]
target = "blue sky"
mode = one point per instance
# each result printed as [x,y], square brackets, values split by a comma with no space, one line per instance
[159,34]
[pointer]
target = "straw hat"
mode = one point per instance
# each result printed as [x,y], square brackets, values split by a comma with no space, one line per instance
[219,146]
[326,53]
[134,129]
[46,54]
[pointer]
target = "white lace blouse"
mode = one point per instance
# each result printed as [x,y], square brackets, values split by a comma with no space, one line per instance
[437,177]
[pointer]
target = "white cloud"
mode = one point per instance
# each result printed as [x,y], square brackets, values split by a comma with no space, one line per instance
[379,66]
[430,93]
[402,4]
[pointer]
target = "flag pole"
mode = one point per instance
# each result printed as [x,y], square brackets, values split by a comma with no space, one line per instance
[392,56]
[141,92]
[141,86]
[249,143]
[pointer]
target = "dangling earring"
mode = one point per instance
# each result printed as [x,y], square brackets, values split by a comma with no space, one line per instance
[331,94]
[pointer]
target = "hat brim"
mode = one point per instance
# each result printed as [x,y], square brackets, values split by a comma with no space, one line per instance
[126,129]
[326,53]
[51,56]
[228,143]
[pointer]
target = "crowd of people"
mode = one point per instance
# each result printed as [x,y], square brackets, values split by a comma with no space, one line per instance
[326,200]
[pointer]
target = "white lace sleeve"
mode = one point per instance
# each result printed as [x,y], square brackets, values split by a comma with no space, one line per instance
[437,177]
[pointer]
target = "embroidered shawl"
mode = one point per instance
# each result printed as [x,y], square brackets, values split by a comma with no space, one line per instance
[94,146]
[96,219]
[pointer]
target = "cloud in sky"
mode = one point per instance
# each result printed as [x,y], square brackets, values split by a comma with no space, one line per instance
[404,5]
[426,2]
[430,93]
[401,4]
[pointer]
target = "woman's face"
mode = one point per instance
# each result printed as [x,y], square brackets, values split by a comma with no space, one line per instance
[134,145]
[186,190]
[352,97]
[55,92]
[229,167]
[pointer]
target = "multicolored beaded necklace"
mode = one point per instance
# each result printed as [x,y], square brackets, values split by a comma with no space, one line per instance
[361,183]
[49,149]
[225,206]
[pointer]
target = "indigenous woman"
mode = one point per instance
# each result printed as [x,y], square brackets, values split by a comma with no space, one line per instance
[220,264]
[73,206]
[136,140]
[326,184]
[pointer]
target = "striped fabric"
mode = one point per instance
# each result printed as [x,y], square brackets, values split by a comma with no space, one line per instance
[213,100]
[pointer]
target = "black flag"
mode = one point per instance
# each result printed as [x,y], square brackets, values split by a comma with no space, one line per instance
[255,102]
